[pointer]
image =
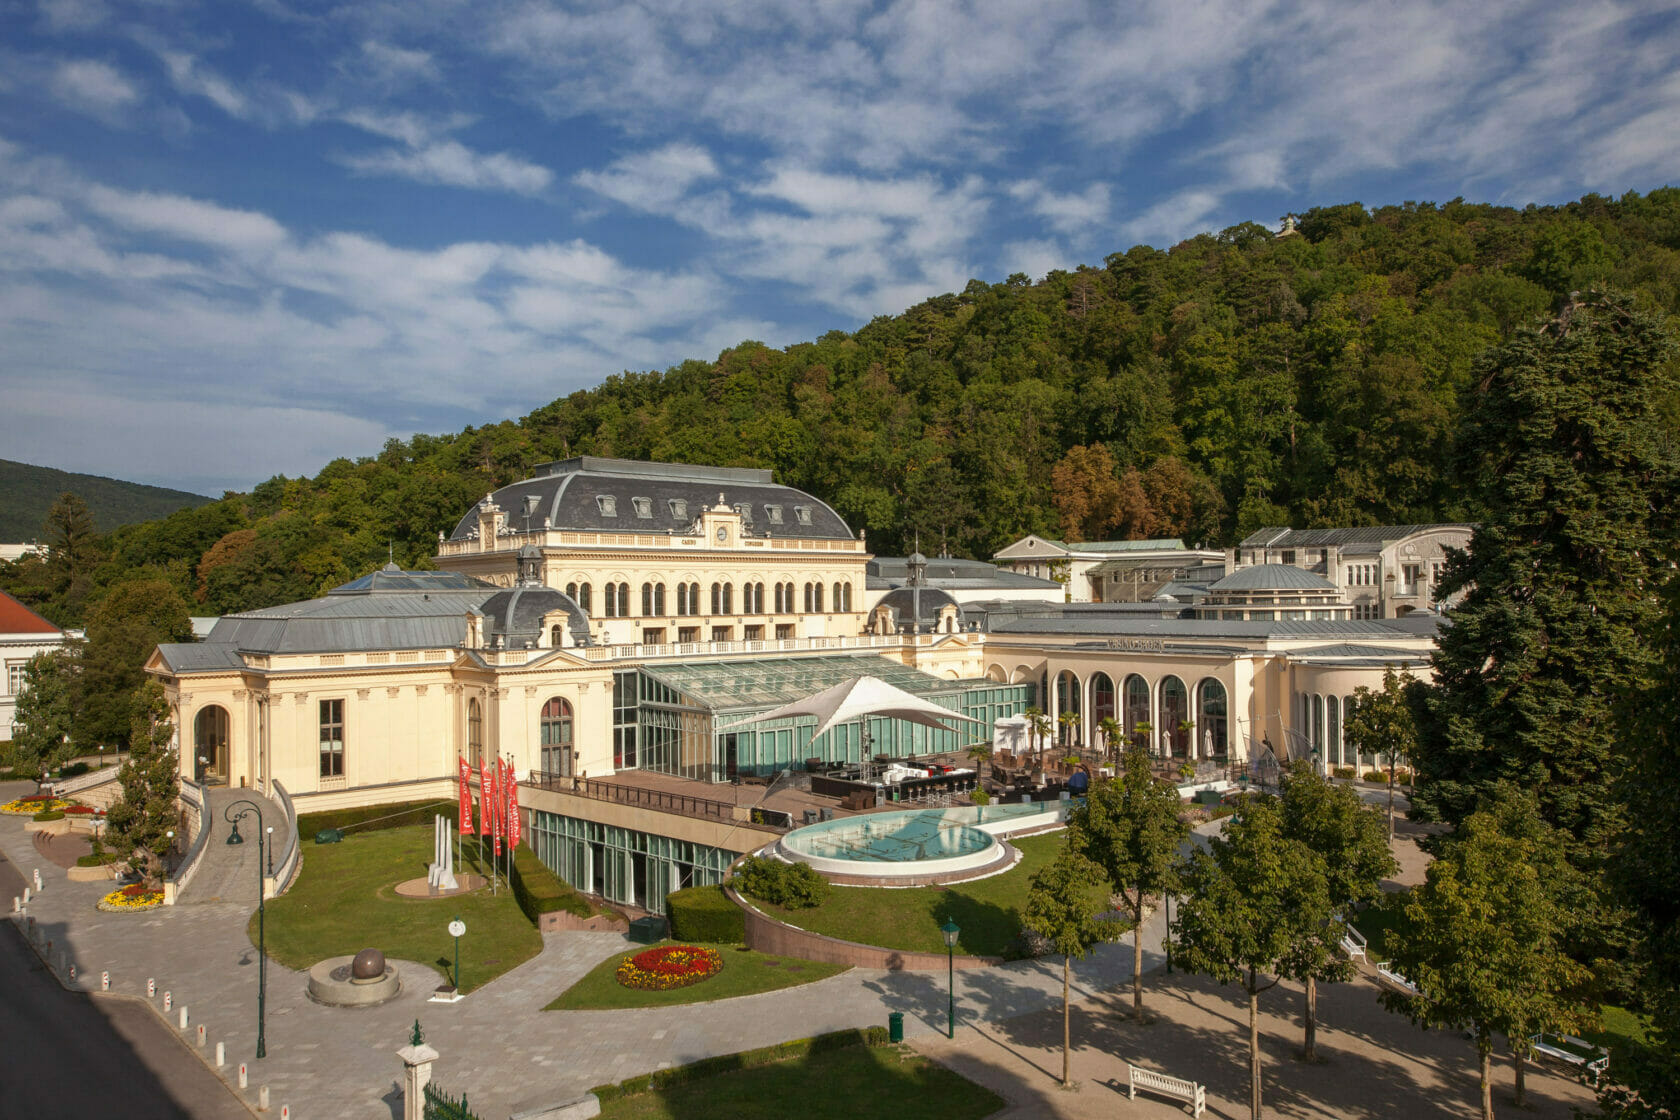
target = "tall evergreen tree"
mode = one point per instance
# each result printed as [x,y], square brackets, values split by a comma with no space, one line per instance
[41,727]
[137,826]
[72,552]
[1567,460]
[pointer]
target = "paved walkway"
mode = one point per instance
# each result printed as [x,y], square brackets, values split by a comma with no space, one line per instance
[230,872]
[508,1055]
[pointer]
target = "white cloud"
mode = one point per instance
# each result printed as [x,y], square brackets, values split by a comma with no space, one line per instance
[190,76]
[653,180]
[92,86]
[1033,258]
[453,164]
[187,219]
[1176,217]
[395,65]
[73,15]
[1065,213]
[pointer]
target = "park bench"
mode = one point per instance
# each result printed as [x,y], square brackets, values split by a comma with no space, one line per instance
[1353,943]
[1396,979]
[1577,1052]
[1162,1085]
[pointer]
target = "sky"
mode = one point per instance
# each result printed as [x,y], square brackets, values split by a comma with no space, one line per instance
[241,238]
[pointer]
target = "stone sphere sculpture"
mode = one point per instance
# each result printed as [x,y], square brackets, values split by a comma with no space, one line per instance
[368,965]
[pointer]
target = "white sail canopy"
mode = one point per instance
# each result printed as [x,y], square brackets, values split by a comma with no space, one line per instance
[859,697]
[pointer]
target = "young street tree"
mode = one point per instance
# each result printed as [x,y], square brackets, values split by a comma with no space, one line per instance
[1060,909]
[137,826]
[1483,936]
[1381,724]
[41,732]
[1130,829]
[1249,906]
[1566,455]
[1351,840]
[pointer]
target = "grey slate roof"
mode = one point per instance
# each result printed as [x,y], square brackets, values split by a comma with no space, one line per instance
[1346,651]
[1001,620]
[1278,536]
[566,498]
[933,600]
[516,615]
[954,574]
[1273,577]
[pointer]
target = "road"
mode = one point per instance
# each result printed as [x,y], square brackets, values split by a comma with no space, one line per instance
[66,1054]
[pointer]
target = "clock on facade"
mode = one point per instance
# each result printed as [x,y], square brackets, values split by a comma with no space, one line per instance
[722,533]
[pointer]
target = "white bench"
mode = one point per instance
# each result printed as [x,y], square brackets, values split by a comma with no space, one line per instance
[1159,1083]
[1577,1052]
[1396,979]
[1353,942]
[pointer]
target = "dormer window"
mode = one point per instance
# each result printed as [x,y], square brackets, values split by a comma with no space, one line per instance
[803,514]
[745,510]
[679,508]
[607,504]
[644,506]
[773,514]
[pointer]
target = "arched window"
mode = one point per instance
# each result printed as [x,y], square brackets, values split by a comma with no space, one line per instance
[1175,714]
[717,598]
[837,599]
[659,600]
[818,589]
[610,604]
[475,732]
[647,599]
[624,600]
[1317,729]
[582,598]
[556,737]
[1137,704]
[846,592]
[1067,703]
[210,744]
[808,599]
[1102,702]
[571,592]
[556,636]
[1213,720]
[1332,731]
[729,598]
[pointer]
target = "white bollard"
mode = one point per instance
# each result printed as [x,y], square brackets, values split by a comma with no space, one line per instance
[201,1036]
[151,988]
[244,1083]
[183,1016]
[72,974]
[262,1098]
[221,1054]
[38,887]
[285,1112]
[168,1002]
[105,980]
[17,904]
[26,894]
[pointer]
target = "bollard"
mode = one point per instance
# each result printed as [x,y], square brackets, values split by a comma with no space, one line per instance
[243,1082]
[151,988]
[38,887]
[221,1054]
[201,1036]
[17,904]
[262,1098]
[183,1016]
[105,980]
[285,1112]
[72,974]
[168,1002]
[26,894]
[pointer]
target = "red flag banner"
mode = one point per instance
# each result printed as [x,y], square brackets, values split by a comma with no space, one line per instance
[513,810]
[486,796]
[498,811]
[466,796]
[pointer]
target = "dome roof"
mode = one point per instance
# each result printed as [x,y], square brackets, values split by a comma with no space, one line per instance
[903,601]
[1274,577]
[517,616]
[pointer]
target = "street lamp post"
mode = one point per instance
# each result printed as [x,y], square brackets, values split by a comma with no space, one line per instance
[950,930]
[234,818]
[1168,895]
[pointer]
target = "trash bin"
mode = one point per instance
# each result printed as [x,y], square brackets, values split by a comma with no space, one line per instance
[1208,796]
[895,1027]
[645,931]
[329,836]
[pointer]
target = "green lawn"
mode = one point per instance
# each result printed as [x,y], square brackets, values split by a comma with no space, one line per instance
[1375,922]
[344,901]
[1622,1032]
[856,1083]
[988,911]
[744,973]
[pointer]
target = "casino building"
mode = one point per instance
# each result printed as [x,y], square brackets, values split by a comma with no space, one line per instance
[606,625]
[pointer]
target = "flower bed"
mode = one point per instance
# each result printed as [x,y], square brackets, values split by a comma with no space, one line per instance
[669,966]
[132,897]
[83,811]
[34,803]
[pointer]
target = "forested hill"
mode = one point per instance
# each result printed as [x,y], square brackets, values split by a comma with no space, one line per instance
[27,492]
[1238,379]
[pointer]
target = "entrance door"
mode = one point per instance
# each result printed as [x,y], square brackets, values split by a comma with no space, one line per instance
[639,879]
[730,773]
[210,745]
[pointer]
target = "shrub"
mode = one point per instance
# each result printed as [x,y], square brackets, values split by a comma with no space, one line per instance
[368,818]
[539,891]
[73,770]
[705,914]
[1343,772]
[96,859]
[1402,777]
[796,886]
[980,797]
[50,815]
[1375,776]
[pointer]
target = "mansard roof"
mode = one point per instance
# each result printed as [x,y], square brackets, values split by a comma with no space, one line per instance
[1279,536]
[592,494]
[1273,577]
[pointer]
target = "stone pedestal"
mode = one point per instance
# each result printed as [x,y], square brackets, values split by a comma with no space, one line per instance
[417,1074]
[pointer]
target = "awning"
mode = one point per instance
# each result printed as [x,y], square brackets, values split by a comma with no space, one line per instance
[857,698]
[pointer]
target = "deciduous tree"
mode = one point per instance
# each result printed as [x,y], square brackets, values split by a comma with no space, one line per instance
[41,727]
[1382,724]
[1059,909]
[132,619]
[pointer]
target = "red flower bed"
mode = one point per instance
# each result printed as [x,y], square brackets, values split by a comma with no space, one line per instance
[82,810]
[669,966]
[37,797]
[134,890]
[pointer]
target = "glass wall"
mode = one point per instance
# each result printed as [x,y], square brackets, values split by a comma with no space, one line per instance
[621,864]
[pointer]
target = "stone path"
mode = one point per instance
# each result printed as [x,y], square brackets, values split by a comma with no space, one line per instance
[230,872]
[508,1055]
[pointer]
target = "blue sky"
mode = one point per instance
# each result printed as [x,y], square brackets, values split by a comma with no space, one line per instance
[243,237]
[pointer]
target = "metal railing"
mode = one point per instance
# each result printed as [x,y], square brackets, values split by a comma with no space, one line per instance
[660,801]
[441,1106]
[292,855]
[198,798]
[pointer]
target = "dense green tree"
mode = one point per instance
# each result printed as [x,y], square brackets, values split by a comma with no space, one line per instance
[1254,904]
[1484,938]
[1575,481]
[1352,845]
[1384,724]
[1129,827]
[1059,909]
[123,629]
[138,823]
[41,725]
[72,553]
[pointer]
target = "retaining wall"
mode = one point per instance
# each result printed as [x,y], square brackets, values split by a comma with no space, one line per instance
[767,935]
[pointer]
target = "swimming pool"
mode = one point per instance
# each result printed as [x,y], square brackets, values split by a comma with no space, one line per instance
[916,845]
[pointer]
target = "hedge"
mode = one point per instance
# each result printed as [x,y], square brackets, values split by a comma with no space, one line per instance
[746,1059]
[50,815]
[796,886]
[705,914]
[372,818]
[539,891]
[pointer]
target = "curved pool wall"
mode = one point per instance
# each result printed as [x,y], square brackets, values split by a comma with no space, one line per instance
[916,846]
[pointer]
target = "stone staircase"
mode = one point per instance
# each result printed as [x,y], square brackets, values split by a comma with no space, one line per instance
[230,873]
